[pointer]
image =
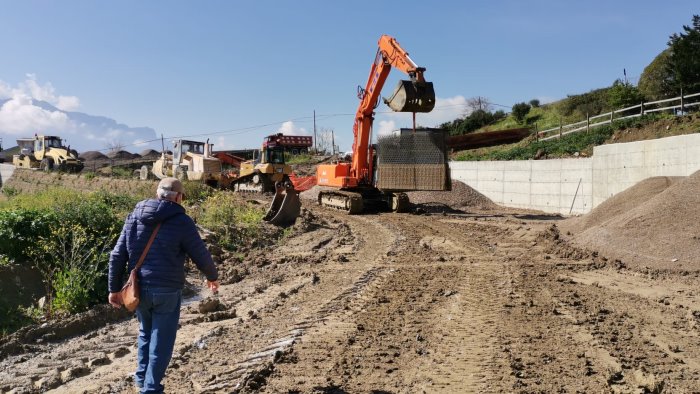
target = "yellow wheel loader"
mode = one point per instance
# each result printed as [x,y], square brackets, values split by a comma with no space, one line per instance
[46,153]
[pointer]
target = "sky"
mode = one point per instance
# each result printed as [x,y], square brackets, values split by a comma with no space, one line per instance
[235,71]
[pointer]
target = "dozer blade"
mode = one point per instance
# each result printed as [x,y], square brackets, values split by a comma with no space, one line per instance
[285,207]
[412,97]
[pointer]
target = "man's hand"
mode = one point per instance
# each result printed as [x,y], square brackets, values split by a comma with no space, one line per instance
[115,299]
[213,286]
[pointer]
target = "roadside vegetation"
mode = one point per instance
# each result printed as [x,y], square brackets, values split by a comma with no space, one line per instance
[570,145]
[66,236]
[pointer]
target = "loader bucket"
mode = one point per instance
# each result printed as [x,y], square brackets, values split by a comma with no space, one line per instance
[285,207]
[412,96]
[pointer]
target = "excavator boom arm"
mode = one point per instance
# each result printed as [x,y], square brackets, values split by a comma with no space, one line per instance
[414,99]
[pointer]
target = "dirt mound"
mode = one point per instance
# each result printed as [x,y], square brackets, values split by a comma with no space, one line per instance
[150,154]
[122,155]
[92,155]
[461,196]
[622,202]
[652,224]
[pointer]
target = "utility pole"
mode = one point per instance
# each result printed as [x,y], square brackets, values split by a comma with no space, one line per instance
[332,142]
[315,147]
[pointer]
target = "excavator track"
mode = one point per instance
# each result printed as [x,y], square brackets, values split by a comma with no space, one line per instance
[348,201]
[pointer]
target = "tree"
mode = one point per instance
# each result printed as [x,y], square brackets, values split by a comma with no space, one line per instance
[684,63]
[114,146]
[535,103]
[623,94]
[324,141]
[479,104]
[520,111]
[656,80]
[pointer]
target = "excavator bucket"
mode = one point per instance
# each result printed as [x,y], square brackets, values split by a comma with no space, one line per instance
[285,207]
[412,96]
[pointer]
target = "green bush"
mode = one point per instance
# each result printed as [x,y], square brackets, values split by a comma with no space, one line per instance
[19,231]
[66,235]
[520,110]
[234,221]
[196,192]
[73,260]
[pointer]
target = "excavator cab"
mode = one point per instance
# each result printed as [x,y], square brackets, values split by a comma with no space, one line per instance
[412,96]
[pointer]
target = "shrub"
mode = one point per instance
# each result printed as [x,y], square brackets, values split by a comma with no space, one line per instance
[234,221]
[520,110]
[19,230]
[196,192]
[72,260]
[535,103]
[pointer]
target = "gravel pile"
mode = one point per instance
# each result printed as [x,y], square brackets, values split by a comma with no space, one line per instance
[652,224]
[150,154]
[122,155]
[92,155]
[461,196]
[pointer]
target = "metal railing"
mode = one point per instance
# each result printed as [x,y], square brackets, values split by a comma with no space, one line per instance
[683,102]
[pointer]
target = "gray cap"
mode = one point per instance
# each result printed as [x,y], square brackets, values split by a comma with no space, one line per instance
[171,185]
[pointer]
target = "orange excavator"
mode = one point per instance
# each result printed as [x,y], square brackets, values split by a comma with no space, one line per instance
[352,186]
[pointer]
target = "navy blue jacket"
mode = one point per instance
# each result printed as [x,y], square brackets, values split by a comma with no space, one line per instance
[164,265]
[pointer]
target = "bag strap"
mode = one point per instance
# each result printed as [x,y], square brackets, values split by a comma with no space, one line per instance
[148,246]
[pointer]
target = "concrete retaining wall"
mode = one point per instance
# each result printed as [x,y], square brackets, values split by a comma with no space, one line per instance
[557,186]
[619,166]
[578,185]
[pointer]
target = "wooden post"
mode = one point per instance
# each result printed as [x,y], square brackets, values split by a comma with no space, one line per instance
[682,106]
[641,112]
[612,115]
[588,123]
[560,127]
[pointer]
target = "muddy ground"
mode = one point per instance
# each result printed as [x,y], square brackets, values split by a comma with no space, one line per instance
[453,301]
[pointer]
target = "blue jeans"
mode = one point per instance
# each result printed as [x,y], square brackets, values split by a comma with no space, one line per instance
[159,313]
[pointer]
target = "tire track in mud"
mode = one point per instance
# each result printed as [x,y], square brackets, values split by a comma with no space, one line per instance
[427,322]
[274,331]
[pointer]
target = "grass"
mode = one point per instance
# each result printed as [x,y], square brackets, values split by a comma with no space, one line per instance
[568,145]
[236,223]
[304,158]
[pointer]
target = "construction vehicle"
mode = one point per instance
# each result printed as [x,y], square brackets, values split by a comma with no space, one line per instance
[46,153]
[261,173]
[189,160]
[371,178]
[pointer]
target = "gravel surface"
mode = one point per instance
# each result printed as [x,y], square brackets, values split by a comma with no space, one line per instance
[650,225]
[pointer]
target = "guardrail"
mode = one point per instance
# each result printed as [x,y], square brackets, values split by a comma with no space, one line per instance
[623,113]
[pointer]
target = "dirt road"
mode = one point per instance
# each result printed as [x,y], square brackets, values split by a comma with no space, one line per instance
[402,303]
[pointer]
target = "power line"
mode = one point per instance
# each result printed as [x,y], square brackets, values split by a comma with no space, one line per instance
[301,119]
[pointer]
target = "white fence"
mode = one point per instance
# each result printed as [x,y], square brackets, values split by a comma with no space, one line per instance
[680,103]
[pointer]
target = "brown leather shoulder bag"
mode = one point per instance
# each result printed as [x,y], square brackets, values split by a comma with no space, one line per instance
[130,291]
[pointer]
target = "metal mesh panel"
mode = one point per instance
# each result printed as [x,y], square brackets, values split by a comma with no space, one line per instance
[412,161]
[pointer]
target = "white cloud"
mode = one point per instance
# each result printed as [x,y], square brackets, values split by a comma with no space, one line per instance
[47,93]
[222,144]
[5,90]
[289,128]
[386,127]
[19,117]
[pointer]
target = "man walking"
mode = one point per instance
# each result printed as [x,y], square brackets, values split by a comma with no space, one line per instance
[161,277]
